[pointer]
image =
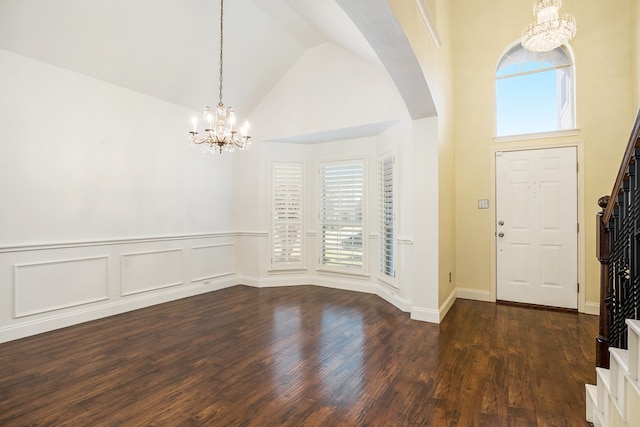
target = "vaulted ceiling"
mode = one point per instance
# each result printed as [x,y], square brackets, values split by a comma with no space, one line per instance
[168,49]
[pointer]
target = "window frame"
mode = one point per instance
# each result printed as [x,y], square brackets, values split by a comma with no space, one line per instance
[562,115]
[345,268]
[275,243]
[386,203]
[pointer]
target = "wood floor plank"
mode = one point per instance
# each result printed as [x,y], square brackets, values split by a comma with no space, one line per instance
[303,356]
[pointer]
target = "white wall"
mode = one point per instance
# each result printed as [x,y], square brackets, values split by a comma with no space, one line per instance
[102,200]
[87,160]
[111,209]
[327,89]
[330,92]
[425,227]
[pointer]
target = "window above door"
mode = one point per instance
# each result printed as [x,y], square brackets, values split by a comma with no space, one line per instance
[535,92]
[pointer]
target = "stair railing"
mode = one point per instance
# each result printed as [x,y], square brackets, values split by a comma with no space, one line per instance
[618,250]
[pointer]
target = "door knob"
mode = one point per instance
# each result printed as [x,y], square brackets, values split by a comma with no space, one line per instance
[500,234]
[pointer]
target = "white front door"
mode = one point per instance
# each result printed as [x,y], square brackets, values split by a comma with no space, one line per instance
[536,227]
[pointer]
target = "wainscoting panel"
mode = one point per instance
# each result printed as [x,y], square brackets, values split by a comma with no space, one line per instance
[147,271]
[208,262]
[53,285]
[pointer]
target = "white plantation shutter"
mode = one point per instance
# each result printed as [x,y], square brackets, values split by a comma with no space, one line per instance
[287,219]
[386,216]
[341,220]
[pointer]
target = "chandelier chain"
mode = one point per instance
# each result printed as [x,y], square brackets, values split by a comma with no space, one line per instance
[221,46]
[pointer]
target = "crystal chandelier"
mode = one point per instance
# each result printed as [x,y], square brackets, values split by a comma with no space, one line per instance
[220,132]
[550,29]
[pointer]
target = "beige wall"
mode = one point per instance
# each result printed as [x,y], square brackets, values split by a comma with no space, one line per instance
[446,163]
[636,52]
[481,31]
[436,64]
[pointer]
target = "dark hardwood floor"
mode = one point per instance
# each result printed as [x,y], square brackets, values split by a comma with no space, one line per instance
[303,356]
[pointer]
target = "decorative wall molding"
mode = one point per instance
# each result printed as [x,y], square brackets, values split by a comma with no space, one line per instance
[253,234]
[150,270]
[161,269]
[56,320]
[212,261]
[48,286]
[539,135]
[425,13]
[81,244]
[40,287]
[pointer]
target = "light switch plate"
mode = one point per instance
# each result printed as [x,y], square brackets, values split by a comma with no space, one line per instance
[483,204]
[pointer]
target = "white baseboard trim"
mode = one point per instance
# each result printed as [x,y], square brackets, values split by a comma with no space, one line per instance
[474,294]
[273,282]
[446,306]
[345,284]
[61,320]
[87,314]
[393,298]
[425,314]
[592,308]
[333,282]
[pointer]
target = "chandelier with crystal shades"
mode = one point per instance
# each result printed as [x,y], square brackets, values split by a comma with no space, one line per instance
[550,29]
[220,131]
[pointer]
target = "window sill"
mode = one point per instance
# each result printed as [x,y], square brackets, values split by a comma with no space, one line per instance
[538,135]
[287,270]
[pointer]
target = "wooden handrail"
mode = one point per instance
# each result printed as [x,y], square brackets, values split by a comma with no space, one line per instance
[622,172]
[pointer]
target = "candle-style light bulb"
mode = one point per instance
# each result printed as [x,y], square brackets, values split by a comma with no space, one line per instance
[207,116]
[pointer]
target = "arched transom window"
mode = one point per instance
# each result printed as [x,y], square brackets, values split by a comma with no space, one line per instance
[534,91]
